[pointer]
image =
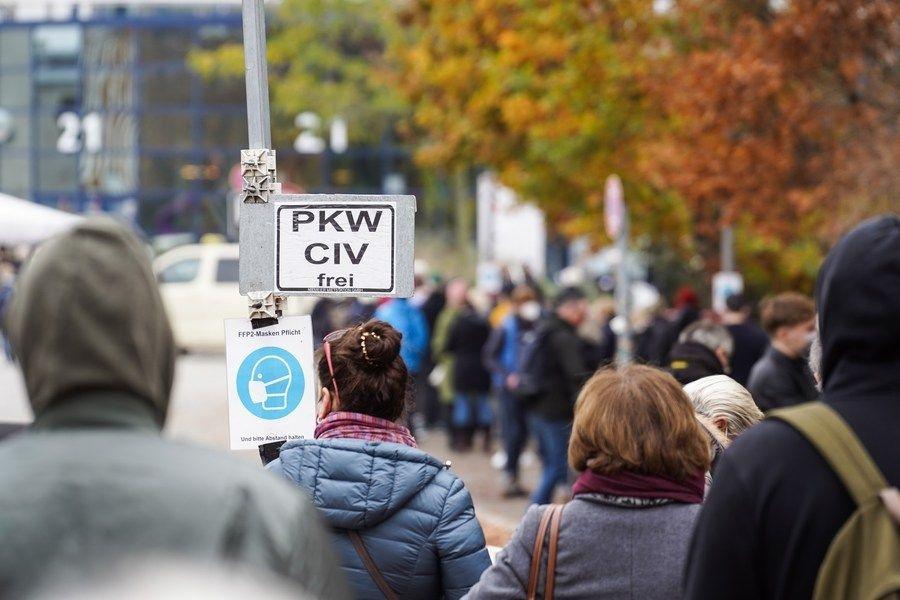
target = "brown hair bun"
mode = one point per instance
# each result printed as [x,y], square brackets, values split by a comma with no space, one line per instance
[379,345]
[370,374]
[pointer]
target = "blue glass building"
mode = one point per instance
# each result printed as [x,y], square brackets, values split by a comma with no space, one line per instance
[99,110]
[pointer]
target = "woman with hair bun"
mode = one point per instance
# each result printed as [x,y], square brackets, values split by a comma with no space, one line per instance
[404,524]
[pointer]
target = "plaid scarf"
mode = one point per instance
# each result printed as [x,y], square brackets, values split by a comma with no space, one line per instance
[358,426]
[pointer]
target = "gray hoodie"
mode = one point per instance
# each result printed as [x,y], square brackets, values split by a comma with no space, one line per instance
[92,481]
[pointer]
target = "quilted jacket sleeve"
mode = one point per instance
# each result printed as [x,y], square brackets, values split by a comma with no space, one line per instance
[460,543]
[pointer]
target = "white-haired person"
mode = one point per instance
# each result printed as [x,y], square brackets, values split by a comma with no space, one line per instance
[725,408]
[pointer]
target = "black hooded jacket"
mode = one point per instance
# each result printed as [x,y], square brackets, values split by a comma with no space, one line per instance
[775,505]
[690,361]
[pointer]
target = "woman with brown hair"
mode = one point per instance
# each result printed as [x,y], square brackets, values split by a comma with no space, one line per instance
[642,458]
[404,524]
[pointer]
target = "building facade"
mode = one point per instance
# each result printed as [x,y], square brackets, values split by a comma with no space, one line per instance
[100,111]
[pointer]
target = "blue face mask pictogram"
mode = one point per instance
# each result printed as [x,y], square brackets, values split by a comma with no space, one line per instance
[270,383]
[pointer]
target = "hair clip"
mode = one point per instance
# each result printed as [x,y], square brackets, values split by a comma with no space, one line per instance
[362,344]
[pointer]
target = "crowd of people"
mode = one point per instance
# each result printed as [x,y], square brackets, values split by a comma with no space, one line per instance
[680,486]
[511,366]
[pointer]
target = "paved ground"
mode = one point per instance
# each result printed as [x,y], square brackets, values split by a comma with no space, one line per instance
[199,414]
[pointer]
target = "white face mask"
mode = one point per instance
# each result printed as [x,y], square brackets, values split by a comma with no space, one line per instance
[530,311]
[259,389]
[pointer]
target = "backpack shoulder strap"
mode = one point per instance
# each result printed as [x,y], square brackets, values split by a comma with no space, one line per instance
[838,445]
[370,565]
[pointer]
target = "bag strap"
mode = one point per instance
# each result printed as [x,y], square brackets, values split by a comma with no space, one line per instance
[551,556]
[370,565]
[536,552]
[550,519]
[839,446]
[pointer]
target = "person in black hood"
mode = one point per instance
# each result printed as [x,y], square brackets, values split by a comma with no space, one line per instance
[775,504]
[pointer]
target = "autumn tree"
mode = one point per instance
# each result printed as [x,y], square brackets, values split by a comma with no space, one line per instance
[779,118]
[785,123]
[325,56]
[782,122]
[548,94]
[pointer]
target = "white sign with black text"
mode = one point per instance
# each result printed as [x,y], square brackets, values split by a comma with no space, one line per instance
[271,381]
[339,247]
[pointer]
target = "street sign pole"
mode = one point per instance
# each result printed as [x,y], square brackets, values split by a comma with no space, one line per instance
[726,248]
[617,227]
[624,344]
[309,244]
[256,75]
[258,173]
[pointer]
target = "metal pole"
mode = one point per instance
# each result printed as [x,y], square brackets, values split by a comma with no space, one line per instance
[259,128]
[726,249]
[624,352]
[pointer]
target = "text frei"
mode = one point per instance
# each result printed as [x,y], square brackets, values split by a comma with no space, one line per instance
[346,247]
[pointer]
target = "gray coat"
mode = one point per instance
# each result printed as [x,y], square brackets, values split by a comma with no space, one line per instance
[93,482]
[605,551]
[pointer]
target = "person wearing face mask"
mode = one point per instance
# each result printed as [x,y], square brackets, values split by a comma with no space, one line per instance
[558,376]
[782,377]
[501,356]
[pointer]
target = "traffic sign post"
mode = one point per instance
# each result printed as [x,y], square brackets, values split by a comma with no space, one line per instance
[615,215]
[725,284]
[309,245]
[614,207]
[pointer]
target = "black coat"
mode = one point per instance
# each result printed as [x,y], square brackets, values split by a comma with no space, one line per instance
[775,504]
[651,344]
[690,361]
[568,370]
[466,340]
[750,343]
[778,380]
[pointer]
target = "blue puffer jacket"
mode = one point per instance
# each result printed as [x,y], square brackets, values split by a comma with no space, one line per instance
[415,517]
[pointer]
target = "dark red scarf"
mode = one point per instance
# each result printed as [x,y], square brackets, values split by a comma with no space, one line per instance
[637,485]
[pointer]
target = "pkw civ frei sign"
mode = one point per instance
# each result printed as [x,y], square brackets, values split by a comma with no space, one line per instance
[330,245]
[336,247]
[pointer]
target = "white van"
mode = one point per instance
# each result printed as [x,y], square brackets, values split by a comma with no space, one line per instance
[199,286]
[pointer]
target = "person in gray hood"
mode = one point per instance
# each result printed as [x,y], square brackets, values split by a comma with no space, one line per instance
[93,481]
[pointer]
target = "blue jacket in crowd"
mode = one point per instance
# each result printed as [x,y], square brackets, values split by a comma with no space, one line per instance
[415,517]
[410,322]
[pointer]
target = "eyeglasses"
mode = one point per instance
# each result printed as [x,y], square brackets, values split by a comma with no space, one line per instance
[326,347]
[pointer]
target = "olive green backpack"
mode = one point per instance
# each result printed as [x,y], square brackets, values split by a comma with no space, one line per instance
[863,561]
